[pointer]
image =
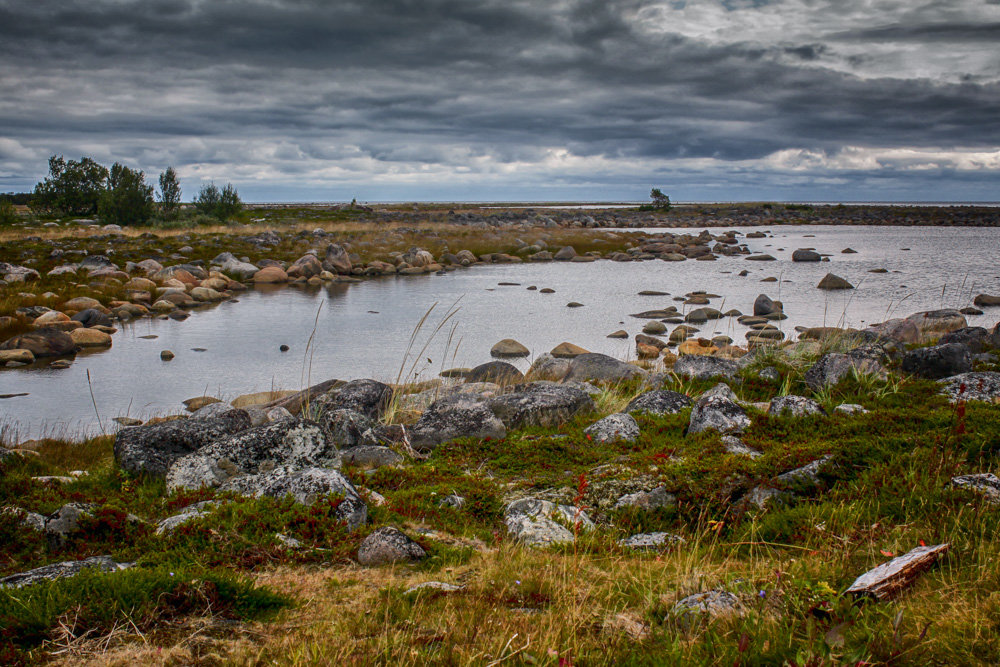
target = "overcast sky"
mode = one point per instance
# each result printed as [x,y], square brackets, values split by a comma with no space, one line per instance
[512,99]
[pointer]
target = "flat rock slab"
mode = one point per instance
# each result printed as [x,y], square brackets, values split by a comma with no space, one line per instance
[61,571]
[889,579]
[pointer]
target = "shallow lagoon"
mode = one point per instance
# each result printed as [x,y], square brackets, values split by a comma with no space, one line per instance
[364,330]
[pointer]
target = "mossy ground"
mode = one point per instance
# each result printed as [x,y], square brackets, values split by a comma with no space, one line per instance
[885,492]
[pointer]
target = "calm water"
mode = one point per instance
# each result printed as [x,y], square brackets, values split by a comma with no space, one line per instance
[364,330]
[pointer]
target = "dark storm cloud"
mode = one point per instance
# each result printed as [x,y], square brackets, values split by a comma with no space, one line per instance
[411,89]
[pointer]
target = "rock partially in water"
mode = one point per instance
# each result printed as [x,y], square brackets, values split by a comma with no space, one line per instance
[937,322]
[832,282]
[508,347]
[806,255]
[44,342]
[151,450]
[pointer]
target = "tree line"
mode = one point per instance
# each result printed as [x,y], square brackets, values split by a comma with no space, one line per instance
[120,195]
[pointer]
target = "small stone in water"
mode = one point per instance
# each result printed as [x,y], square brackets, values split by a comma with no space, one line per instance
[283,348]
[166,355]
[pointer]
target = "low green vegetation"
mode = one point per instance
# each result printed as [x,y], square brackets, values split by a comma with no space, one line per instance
[884,492]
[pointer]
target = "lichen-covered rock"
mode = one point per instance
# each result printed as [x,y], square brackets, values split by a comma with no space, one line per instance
[987,484]
[62,570]
[499,372]
[711,604]
[296,443]
[651,541]
[601,368]
[647,500]
[787,484]
[367,397]
[797,406]
[937,322]
[977,339]
[370,456]
[453,417]
[702,367]
[347,428]
[734,445]
[548,367]
[617,427]
[189,513]
[833,367]
[151,450]
[976,386]
[65,521]
[850,409]
[306,486]
[716,411]
[532,521]
[659,402]
[540,404]
[938,361]
[389,545]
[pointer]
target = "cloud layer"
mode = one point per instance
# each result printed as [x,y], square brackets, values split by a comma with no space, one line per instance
[512,99]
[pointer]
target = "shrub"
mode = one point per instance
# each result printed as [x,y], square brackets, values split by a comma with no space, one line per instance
[127,200]
[8,214]
[72,188]
[170,193]
[222,204]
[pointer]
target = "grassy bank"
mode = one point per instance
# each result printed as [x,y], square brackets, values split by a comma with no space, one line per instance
[595,602]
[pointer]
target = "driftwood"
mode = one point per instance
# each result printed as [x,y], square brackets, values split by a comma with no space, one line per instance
[295,402]
[890,578]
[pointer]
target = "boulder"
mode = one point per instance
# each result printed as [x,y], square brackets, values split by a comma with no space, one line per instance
[716,411]
[90,338]
[548,367]
[650,541]
[986,300]
[617,427]
[237,269]
[389,545]
[976,386]
[602,368]
[337,260]
[703,315]
[986,484]
[370,457]
[565,254]
[16,357]
[61,571]
[533,522]
[189,513]
[508,347]
[647,500]
[306,266]
[291,442]
[806,255]
[797,406]
[82,303]
[91,317]
[734,445]
[899,330]
[306,486]
[937,322]
[938,361]
[270,274]
[977,339]
[703,367]
[44,342]
[658,343]
[654,327]
[833,367]
[538,404]
[65,521]
[453,417]
[832,282]
[763,305]
[368,397]
[346,428]
[659,402]
[568,351]
[499,372]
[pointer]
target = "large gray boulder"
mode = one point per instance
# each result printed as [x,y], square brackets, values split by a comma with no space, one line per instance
[453,417]
[151,450]
[367,397]
[938,361]
[796,406]
[538,404]
[534,522]
[548,367]
[601,368]
[61,571]
[976,386]
[702,367]
[833,367]
[346,428]
[900,330]
[291,442]
[719,412]
[237,269]
[617,427]
[389,545]
[659,402]
[305,486]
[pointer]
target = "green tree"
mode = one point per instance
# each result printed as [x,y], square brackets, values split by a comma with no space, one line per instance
[170,193]
[72,188]
[222,204]
[660,200]
[8,214]
[128,200]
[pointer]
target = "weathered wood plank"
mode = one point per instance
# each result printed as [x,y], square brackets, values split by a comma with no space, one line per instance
[888,579]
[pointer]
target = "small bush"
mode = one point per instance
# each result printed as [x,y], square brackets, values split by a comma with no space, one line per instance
[128,199]
[8,214]
[222,204]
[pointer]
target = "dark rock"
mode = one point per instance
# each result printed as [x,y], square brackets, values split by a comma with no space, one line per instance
[939,361]
[62,570]
[499,372]
[367,397]
[702,367]
[831,281]
[833,367]
[91,317]
[977,339]
[151,450]
[539,404]
[602,368]
[290,442]
[44,342]
[643,339]
[659,402]
[305,486]
[986,300]
[763,305]
[805,255]
[453,417]
[389,545]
